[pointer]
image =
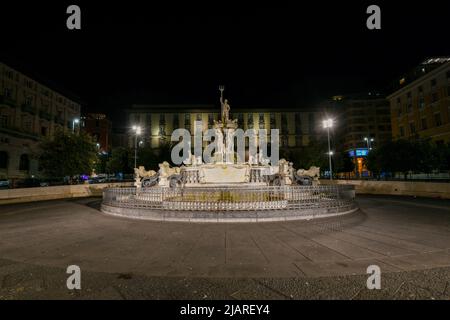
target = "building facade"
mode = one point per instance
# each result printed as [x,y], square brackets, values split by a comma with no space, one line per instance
[363,122]
[297,127]
[420,108]
[29,111]
[99,127]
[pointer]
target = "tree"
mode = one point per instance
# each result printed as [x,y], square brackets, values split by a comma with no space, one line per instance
[67,154]
[372,162]
[151,157]
[101,162]
[120,161]
[315,154]
[344,163]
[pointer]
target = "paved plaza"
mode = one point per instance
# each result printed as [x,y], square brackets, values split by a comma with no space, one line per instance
[408,238]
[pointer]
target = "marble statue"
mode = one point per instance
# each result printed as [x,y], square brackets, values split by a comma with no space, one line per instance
[165,171]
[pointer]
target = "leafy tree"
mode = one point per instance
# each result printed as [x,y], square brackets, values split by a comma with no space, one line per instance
[409,156]
[315,154]
[373,162]
[151,157]
[101,163]
[67,154]
[344,163]
[121,160]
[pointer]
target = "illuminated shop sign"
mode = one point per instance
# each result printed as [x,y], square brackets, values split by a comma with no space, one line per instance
[358,152]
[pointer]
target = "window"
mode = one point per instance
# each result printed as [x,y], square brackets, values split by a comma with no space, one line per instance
[402,132]
[298,123]
[4,121]
[412,128]
[3,160]
[437,120]
[187,119]
[434,97]
[240,118]
[210,119]
[199,117]
[149,121]
[433,84]
[272,121]
[24,163]
[284,141]
[176,121]
[9,74]
[421,103]
[261,121]
[410,108]
[250,121]
[424,124]
[29,84]
[284,123]
[162,131]
[162,119]
[8,93]
[28,101]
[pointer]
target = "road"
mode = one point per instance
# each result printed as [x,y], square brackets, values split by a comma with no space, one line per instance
[408,238]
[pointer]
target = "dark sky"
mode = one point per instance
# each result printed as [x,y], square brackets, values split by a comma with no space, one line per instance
[266,53]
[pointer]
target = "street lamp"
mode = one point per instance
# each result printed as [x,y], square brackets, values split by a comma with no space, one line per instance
[327,124]
[76,120]
[369,143]
[137,131]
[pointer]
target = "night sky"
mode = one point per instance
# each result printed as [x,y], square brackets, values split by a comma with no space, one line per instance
[266,54]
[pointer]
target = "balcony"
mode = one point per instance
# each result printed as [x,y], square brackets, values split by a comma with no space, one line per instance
[45,115]
[8,101]
[28,108]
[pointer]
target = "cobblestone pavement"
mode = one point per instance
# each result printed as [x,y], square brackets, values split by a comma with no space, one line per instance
[409,239]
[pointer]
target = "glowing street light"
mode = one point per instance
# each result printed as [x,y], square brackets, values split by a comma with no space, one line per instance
[76,120]
[369,143]
[327,124]
[137,131]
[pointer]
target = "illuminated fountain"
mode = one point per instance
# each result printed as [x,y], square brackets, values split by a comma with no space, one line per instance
[220,185]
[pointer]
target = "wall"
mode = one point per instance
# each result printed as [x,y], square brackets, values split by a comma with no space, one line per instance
[57,192]
[404,188]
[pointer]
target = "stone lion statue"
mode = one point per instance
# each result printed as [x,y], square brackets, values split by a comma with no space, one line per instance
[142,173]
[165,170]
[312,172]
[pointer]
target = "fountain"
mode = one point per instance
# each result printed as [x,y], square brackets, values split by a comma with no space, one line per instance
[227,188]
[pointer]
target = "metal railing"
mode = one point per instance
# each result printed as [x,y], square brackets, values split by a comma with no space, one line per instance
[232,198]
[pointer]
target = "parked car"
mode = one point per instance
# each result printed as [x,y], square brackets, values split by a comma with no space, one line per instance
[97,180]
[31,183]
[4,184]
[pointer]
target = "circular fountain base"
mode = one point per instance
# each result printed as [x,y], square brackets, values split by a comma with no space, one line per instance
[229,204]
[226,216]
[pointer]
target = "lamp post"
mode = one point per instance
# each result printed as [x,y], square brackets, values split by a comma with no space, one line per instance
[327,124]
[76,120]
[369,143]
[137,131]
